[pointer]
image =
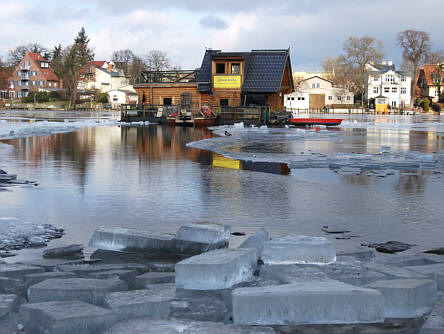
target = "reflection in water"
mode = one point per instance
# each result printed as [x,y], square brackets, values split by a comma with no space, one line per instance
[147,177]
[256,166]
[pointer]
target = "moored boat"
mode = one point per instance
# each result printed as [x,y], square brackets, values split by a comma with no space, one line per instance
[315,121]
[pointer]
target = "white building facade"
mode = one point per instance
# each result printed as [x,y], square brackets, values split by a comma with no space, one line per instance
[316,93]
[383,80]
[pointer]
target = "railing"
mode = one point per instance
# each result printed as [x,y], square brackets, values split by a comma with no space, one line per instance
[223,113]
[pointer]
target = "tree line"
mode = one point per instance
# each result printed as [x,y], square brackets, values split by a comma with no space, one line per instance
[350,66]
[67,61]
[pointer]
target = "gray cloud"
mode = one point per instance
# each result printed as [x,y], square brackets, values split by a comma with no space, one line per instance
[212,22]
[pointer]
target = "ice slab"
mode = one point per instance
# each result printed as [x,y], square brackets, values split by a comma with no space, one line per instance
[63,252]
[127,276]
[174,326]
[67,317]
[217,269]
[88,290]
[50,264]
[406,298]
[257,240]
[150,278]
[12,286]
[8,304]
[32,279]
[205,232]
[11,130]
[360,254]
[433,271]
[86,270]
[154,303]
[200,306]
[434,323]
[298,249]
[121,239]
[327,302]
[127,239]
[18,271]
[353,273]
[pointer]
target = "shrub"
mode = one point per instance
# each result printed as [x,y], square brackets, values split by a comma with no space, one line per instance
[418,102]
[441,97]
[426,105]
[102,98]
[54,95]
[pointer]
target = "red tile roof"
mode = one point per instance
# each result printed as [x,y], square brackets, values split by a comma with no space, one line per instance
[428,71]
[46,72]
[36,56]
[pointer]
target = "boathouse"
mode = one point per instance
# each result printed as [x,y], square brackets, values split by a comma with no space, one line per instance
[225,79]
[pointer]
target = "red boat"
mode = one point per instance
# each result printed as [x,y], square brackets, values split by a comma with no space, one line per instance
[315,121]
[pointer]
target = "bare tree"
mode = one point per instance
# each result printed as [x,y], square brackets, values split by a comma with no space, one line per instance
[15,55]
[343,72]
[415,48]
[359,52]
[123,60]
[157,61]
[435,57]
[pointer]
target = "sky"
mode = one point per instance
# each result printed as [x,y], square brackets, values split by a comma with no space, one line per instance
[312,29]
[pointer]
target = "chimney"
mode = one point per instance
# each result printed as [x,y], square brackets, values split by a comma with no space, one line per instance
[390,63]
[384,63]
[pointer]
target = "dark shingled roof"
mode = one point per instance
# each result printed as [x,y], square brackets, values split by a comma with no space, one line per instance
[264,69]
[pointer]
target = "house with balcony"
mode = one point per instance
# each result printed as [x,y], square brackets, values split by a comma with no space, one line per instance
[430,82]
[384,81]
[225,79]
[32,74]
[99,75]
[316,93]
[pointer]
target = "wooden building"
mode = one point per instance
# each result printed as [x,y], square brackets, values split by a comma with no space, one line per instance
[256,78]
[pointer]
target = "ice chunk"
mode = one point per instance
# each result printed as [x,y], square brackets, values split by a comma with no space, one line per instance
[204,232]
[257,240]
[326,302]
[68,317]
[217,269]
[141,303]
[88,290]
[298,249]
[8,303]
[406,298]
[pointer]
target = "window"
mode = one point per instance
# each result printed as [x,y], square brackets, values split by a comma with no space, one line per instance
[339,98]
[299,98]
[220,68]
[436,93]
[315,85]
[386,89]
[292,98]
[235,68]
[394,104]
[348,98]
[330,97]
[390,78]
[394,89]
[375,79]
[375,90]
[288,99]
[302,98]
[402,78]
[167,101]
[403,90]
[50,84]
[223,102]
[55,84]
[115,98]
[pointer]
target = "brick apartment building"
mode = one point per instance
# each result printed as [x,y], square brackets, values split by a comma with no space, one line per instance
[32,74]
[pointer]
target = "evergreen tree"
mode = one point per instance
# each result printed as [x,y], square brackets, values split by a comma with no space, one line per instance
[78,55]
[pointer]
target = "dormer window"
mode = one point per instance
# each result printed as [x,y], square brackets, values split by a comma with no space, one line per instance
[220,68]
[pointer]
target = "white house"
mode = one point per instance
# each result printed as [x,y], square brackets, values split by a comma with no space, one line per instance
[125,95]
[102,76]
[384,80]
[316,93]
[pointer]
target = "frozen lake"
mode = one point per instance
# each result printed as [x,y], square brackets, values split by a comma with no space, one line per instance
[100,173]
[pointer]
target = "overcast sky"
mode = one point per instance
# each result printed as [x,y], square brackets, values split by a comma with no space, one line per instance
[184,28]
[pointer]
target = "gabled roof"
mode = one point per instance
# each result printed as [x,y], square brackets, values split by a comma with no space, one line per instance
[316,76]
[383,67]
[263,69]
[46,72]
[430,70]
